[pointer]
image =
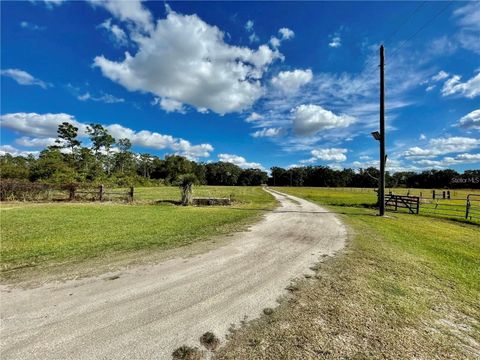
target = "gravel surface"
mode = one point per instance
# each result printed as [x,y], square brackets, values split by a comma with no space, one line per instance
[148,311]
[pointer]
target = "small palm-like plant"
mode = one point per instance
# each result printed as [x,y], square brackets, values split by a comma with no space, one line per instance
[186,183]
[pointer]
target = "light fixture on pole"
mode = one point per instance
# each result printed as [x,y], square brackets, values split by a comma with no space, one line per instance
[376,135]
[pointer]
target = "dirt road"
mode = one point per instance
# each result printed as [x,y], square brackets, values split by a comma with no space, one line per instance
[148,311]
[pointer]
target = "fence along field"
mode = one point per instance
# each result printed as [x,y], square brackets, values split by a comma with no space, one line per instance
[11,190]
[454,206]
[455,203]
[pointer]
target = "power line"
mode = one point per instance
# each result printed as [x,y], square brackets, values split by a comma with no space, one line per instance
[409,16]
[428,22]
[423,26]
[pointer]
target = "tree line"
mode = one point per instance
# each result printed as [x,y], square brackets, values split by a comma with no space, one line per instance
[111,161]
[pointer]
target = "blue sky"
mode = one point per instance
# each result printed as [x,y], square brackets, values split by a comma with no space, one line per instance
[257,84]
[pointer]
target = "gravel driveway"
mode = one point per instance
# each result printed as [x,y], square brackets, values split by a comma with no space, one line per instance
[148,311]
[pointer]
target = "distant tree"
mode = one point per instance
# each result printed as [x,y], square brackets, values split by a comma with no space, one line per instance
[252,177]
[51,166]
[124,158]
[222,173]
[15,167]
[146,162]
[67,136]
[100,138]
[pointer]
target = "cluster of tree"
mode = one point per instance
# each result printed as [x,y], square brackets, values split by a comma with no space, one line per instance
[111,161]
[327,177]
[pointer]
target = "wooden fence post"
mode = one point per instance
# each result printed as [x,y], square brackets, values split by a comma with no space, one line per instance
[443,194]
[130,194]
[448,194]
[101,191]
[72,193]
[433,194]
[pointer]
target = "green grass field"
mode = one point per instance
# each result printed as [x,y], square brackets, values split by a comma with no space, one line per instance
[453,208]
[406,287]
[35,234]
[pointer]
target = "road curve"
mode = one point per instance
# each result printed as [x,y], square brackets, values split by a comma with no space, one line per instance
[149,311]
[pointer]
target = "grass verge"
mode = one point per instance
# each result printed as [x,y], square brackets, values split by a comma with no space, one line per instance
[405,287]
[42,234]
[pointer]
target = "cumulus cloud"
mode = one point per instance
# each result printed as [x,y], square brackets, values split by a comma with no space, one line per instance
[35,142]
[187,60]
[471,120]
[253,117]
[23,78]
[132,12]
[249,26]
[117,35]
[38,129]
[442,146]
[310,119]
[39,125]
[286,33]
[8,149]
[239,161]
[335,42]
[267,132]
[469,89]
[291,81]
[329,154]
[464,158]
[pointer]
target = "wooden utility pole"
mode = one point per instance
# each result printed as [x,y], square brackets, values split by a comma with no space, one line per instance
[381,188]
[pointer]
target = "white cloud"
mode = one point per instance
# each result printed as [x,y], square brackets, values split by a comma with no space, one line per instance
[253,38]
[23,78]
[335,42]
[422,137]
[253,117]
[330,154]
[154,140]
[249,25]
[131,11]
[267,132]
[291,81]
[310,119]
[286,33]
[239,161]
[106,98]
[468,16]
[442,146]
[117,34]
[469,89]
[44,126]
[464,158]
[275,42]
[8,149]
[471,120]
[39,125]
[186,60]
[35,142]
[440,76]
[170,105]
